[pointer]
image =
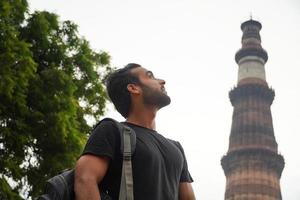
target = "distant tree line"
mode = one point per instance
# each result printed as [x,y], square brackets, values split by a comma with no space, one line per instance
[50,83]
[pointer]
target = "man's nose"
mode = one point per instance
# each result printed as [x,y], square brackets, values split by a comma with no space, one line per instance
[162,82]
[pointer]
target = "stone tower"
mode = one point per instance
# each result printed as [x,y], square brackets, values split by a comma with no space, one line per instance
[252,165]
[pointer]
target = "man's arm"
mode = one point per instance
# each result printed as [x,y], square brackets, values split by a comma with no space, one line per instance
[89,171]
[186,191]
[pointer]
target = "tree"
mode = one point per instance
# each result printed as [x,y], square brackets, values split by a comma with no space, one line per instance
[50,83]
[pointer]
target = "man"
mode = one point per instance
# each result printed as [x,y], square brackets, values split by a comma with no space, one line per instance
[160,169]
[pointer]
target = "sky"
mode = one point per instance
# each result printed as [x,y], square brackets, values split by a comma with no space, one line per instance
[191,44]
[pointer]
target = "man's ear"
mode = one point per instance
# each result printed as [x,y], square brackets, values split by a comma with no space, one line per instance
[133,89]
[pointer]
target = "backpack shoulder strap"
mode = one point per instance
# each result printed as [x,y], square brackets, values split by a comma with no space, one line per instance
[127,147]
[122,127]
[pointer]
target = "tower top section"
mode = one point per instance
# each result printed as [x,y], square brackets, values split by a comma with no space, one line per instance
[251,22]
[251,42]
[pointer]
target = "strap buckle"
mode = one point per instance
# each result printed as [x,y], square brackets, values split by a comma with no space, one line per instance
[126,156]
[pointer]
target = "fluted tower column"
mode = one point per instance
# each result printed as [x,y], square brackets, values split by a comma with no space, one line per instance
[252,165]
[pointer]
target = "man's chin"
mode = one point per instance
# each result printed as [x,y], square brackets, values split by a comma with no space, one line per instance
[166,101]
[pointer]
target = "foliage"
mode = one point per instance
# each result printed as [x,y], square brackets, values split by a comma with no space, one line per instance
[50,82]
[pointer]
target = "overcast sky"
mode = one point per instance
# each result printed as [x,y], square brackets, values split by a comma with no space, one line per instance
[191,44]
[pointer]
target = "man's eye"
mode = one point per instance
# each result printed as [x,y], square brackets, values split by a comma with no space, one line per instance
[150,75]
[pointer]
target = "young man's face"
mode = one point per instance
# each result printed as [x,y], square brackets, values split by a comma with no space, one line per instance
[153,89]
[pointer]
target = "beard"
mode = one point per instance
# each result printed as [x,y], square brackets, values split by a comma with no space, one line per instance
[154,97]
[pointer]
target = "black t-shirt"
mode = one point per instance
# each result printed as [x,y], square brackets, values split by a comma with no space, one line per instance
[158,163]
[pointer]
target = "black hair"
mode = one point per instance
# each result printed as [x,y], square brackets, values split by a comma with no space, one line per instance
[116,85]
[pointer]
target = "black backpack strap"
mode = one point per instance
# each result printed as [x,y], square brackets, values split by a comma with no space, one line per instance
[126,187]
[127,147]
[122,127]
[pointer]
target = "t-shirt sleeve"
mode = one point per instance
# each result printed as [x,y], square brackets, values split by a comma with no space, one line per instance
[104,140]
[185,174]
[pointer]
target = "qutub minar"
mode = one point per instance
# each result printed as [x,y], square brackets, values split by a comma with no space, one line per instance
[252,165]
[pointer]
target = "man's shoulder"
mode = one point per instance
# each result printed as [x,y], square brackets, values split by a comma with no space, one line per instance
[176,143]
[173,141]
[105,127]
[107,123]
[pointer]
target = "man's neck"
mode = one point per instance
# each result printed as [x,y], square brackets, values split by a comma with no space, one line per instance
[143,117]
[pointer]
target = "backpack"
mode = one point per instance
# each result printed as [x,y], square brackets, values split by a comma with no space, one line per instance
[61,186]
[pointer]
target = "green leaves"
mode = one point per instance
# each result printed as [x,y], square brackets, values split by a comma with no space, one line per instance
[50,81]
